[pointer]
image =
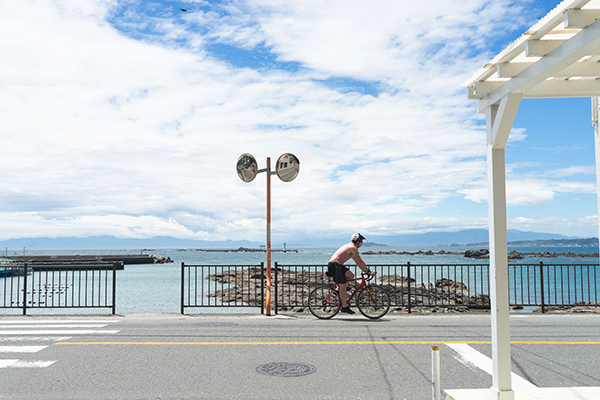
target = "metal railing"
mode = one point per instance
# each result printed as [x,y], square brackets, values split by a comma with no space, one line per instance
[49,286]
[222,286]
[409,285]
[554,284]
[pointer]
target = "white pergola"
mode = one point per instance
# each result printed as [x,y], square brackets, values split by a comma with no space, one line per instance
[557,57]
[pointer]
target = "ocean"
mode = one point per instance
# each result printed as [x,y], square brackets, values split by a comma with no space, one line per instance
[155,288]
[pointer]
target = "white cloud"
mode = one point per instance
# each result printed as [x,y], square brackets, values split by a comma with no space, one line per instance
[582,227]
[136,134]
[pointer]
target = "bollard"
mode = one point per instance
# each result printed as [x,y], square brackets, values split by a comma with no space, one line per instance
[435,373]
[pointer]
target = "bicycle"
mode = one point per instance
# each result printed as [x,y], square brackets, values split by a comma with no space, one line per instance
[373,302]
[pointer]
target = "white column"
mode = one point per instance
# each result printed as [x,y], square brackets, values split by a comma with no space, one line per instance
[500,118]
[501,384]
[595,122]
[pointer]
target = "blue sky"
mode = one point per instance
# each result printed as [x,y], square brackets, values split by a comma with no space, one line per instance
[126,118]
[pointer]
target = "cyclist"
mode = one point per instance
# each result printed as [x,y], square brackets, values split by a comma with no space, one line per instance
[340,273]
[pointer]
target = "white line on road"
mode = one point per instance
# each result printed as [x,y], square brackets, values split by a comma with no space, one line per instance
[21,349]
[471,357]
[35,339]
[25,364]
[53,326]
[66,332]
[57,321]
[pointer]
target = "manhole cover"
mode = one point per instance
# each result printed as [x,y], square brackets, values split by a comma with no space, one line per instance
[213,324]
[286,369]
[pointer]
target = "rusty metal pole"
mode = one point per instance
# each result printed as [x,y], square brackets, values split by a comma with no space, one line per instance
[268,305]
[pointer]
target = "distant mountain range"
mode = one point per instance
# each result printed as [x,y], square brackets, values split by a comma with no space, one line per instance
[470,237]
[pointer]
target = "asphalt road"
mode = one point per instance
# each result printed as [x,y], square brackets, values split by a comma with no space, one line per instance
[170,356]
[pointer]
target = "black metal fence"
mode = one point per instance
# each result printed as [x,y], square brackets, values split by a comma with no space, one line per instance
[49,286]
[222,286]
[409,285]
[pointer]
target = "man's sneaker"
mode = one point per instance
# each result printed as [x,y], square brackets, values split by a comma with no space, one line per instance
[347,310]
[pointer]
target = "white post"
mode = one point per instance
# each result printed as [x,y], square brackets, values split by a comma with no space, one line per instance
[595,122]
[501,387]
[499,118]
[435,373]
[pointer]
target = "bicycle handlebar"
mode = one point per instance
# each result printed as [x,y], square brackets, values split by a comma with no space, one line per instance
[367,276]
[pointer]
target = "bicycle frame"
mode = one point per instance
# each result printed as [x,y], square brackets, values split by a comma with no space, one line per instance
[363,283]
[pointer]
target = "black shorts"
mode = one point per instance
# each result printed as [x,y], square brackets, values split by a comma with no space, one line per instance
[337,271]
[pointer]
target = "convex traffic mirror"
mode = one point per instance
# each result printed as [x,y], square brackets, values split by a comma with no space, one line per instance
[287,167]
[247,167]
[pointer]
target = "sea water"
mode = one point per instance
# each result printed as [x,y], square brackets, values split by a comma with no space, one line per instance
[156,288]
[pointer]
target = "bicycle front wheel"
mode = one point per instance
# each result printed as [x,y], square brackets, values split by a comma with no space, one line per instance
[324,302]
[373,302]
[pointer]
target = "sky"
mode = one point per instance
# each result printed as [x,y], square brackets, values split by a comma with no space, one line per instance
[127,117]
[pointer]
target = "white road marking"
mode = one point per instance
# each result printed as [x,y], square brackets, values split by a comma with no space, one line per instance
[53,326]
[35,339]
[472,358]
[21,349]
[56,321]
[25,364]
[65,332]
[19,331]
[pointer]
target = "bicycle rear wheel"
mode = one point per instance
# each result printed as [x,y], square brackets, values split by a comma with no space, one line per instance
[373,302]
[323,302]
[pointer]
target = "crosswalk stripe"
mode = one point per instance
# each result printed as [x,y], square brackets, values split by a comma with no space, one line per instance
[25,364]
[65,332]
[21,349]
[53,326]
[34,339]
[18,334]
[56,321]
[7,363]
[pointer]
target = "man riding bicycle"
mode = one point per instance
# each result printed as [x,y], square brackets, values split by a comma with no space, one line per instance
[340,273]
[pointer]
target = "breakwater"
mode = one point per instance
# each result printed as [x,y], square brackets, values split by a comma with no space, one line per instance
[485,254]
[241,250]
[107,258]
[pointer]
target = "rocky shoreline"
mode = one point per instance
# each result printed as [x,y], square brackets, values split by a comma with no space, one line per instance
[485,254]
[293,287]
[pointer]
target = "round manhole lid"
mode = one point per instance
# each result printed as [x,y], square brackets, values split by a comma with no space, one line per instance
[215,324]
[286,369]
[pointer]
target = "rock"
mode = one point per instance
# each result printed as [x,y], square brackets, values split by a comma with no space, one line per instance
[449,284]
[478,254]
[515,255]
[395,279]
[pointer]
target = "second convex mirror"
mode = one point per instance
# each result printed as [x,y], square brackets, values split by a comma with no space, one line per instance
[287,167]
[247,167]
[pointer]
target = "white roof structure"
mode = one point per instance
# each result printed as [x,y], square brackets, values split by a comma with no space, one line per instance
[557,57]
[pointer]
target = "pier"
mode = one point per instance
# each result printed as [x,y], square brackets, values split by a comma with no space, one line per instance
[108,258]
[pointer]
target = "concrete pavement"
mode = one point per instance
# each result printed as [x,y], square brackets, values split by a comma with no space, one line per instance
[170,356]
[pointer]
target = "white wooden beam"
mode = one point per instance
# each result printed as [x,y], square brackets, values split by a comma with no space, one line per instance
[509,70]
[568,53]
[579,19]
[585,68]
[539,48]
[483,88]
[502,120]
[565,88]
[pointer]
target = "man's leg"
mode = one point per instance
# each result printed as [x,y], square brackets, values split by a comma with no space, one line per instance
[342,292]
[344,287]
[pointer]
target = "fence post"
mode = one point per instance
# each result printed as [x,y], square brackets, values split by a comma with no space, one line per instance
[25,290]
[262,288]
[182,286]
[409,303]
[276,275]
[542,285]
[114,287]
